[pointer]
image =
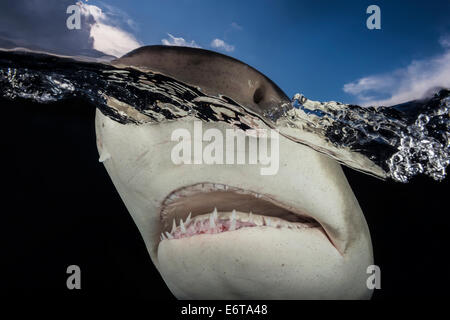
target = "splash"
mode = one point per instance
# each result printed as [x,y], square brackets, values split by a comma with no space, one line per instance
[396,142]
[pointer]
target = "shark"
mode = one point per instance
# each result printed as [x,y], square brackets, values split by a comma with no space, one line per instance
[224,231]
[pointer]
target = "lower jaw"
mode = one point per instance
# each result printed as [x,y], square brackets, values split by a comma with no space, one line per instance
[286,255]
[256,263]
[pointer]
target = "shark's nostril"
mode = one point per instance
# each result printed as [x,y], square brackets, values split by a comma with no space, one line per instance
[258,95]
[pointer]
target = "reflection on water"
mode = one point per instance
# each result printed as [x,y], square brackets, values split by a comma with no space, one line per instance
[395,142]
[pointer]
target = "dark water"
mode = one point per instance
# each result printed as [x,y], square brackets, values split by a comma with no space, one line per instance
[396,142]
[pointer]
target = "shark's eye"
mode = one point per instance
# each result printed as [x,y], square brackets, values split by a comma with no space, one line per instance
[258,95]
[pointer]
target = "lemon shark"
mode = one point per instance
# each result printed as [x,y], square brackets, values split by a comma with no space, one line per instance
[224,231]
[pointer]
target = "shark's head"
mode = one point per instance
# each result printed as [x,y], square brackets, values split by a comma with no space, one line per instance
[230,232]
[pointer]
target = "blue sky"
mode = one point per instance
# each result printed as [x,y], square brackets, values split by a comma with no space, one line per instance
[312,47]
[322,49]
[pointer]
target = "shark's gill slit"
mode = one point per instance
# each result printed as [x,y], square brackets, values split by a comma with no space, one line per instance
[209,208]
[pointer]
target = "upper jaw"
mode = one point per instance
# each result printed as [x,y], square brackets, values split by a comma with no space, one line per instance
[213,208]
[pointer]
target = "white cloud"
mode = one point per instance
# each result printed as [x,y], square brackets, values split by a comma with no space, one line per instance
[413,82]
[112,40]
[108,38]
[174,41]
[220,44]
[117,15]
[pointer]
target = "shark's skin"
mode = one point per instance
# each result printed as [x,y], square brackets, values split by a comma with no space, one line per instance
[213,72]
[259,262]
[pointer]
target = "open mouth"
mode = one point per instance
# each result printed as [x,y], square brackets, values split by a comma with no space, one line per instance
[211,208]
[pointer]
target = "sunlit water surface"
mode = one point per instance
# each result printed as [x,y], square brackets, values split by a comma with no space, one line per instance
[396,142]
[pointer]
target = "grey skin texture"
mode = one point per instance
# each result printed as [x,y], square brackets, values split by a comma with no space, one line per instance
[328,261]
[213,72]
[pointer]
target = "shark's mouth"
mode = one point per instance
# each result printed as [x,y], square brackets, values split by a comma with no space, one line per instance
[210,208]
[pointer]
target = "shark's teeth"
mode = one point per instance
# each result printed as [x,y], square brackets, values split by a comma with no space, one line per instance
[233,220]
[228,221]
[212,222]
[169,236]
